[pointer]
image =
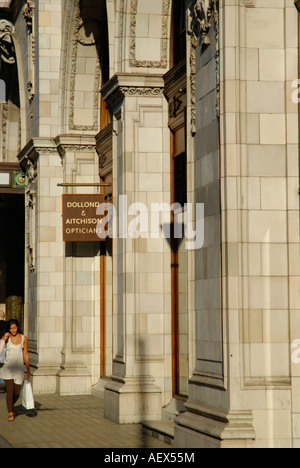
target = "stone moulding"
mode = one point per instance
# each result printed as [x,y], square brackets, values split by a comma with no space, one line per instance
[128,85]
[219,425]
[248,3]
[163,62]
[97,77]
[104,150]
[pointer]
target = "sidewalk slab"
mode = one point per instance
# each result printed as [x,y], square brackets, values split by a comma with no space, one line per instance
[69,422]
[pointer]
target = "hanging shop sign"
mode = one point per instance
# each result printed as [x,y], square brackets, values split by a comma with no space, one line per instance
[80,220]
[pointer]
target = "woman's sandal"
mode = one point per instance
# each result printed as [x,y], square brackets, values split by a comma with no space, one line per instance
[11,417]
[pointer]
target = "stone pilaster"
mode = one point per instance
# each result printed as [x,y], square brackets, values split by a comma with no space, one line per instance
[141,173]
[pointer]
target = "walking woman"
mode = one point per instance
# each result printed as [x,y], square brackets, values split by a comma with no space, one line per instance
[13,370]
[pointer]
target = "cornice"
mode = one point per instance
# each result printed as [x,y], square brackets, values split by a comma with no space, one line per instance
[34,148]
[104,135]
[74,143]
[59,145]
[127,84]
[175,78]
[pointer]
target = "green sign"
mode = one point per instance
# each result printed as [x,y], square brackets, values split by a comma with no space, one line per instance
[18,179]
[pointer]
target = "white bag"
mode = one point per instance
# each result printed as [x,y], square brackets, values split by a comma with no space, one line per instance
[2,352]
[27,395]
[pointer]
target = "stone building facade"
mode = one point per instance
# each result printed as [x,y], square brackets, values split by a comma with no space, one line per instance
[190,104]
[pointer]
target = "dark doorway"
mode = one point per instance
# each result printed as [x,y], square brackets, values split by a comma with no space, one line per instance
[12,248]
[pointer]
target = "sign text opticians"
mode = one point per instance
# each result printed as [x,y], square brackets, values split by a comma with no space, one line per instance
[80,220]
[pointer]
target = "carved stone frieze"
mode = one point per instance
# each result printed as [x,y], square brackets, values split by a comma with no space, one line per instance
[64,148]
[140,91]
[119,87]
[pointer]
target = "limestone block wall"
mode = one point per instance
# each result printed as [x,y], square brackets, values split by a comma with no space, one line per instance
[81,361]
[141,263]
[46,102]
[268,137]
[257,194]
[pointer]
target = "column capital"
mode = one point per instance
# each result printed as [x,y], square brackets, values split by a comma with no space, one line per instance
[127,84]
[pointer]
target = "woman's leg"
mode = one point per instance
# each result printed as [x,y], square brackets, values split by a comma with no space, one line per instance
[17,392]
[10,397]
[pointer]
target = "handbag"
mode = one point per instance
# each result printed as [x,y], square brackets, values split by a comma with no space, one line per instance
[27,395]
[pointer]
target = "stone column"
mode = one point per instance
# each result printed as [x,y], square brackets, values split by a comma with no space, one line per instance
[141,378]
[44,261]
[245,132]
[80,364]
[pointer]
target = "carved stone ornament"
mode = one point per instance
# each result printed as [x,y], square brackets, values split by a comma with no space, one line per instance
[102,160]
[28,14]
[30,196]
[203,15]
[30,190]
[7,50]
[114,98]
[174,107]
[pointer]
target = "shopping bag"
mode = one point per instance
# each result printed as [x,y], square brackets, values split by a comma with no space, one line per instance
[27,395]
[2,356]
[2,352]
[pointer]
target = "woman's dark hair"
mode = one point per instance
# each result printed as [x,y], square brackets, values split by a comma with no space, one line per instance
[14,322]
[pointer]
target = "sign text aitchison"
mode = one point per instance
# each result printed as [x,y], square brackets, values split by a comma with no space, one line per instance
[88,218]
[80,221]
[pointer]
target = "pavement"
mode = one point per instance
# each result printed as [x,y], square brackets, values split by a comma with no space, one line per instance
[69,422]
